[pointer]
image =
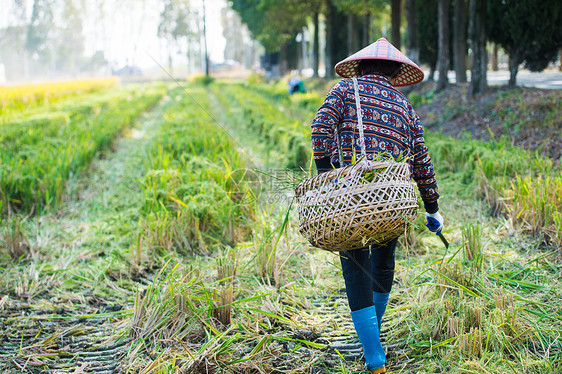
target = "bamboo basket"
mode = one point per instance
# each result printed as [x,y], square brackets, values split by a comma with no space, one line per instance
[343,209]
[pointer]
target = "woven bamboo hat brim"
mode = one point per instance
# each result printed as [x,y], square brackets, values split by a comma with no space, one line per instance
[409,74]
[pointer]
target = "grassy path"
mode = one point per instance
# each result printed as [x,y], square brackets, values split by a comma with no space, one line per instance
[314,272]
[479,307]
[66,306]
[74,305]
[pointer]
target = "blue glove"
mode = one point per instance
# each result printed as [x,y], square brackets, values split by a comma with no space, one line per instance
[434,222]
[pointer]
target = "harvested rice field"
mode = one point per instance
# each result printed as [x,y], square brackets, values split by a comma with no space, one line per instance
[152,228]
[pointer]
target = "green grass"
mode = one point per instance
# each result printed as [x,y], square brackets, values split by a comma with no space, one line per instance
[17,101]
[469,170]
[512,181]
[39,153]
[194,195]
[211,276]
[281,132]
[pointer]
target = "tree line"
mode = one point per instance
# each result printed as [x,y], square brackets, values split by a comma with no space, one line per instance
[40,38]
[443,34]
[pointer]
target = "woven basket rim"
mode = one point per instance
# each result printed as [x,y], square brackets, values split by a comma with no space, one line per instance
[330,175]
[365,209]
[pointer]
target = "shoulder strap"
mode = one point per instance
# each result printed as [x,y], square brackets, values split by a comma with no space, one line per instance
[339,145]
[359,119]
[359,125]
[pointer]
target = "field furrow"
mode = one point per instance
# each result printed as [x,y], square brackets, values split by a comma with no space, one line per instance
[16,101]
[38,154]
[176,249]
[69,308]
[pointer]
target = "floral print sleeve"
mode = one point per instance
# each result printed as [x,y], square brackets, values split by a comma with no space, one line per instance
[326,120]
[423,172]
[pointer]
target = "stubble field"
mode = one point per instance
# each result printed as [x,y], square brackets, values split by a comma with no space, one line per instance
[143,231]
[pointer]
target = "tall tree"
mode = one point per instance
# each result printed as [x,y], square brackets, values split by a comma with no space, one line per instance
[360,36]
[494,59]
[459,41]
[316,43]
[70,36]
[366,27]
[428,33]
[12,51]
[529,31]
[20,13]
[174,25]
[205,39]
[232,31]
[443,52]
[40,27]
[337,36]
[330,37]
[351,34]
[396,18]
[274,23]
[412,48]
[352,10]
[477,41]
[40,31]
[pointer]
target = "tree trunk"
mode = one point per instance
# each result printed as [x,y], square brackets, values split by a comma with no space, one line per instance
[350,33]
[315,46]
[460,41]
[283,62]
[484,55]
[170,64]
[200,45]
[396,6]
[560,59]
[189,57]
[330,30]
[252,58]
[443,51]
[300,55]
[366,26]
[205,40]
[477,40]
[514,62]
[26,64]
[494,59]
[52,60]
[431,76]
[412,48]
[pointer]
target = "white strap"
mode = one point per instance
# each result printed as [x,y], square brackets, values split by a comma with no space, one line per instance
[338,142]
[359,119]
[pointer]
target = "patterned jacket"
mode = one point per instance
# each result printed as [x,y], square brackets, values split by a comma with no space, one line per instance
[390,125]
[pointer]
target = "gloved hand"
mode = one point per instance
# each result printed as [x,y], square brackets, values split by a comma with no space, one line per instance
[434,222]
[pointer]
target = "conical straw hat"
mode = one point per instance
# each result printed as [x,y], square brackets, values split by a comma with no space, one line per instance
[409,74]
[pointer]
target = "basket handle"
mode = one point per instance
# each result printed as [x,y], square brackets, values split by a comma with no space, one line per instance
[338,130]
[359,119]
[359,125]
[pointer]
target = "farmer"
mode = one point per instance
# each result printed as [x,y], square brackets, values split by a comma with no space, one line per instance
[296,85]
[390,125]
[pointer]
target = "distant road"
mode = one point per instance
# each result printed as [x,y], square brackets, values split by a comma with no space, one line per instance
[549,80]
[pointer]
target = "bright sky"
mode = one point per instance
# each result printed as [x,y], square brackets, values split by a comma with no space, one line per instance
[133,24]
[128,32]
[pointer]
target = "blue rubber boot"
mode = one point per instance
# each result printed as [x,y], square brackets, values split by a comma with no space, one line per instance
[380,299]
[366,325]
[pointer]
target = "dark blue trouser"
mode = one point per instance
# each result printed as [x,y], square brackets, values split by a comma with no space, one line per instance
[366,270]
